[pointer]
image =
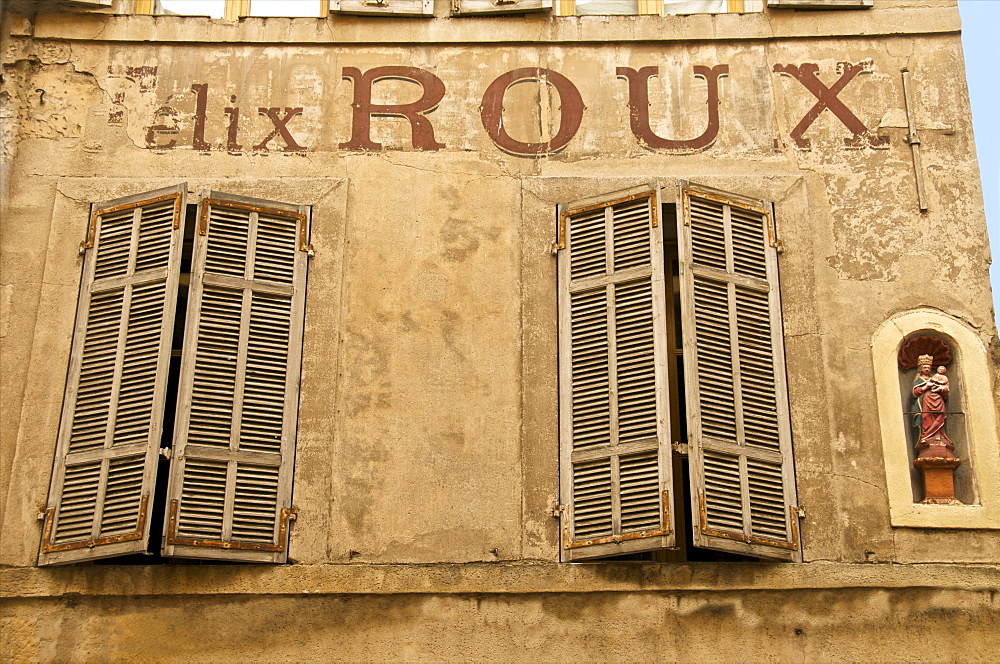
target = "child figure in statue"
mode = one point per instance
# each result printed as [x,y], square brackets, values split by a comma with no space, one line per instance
[941,382]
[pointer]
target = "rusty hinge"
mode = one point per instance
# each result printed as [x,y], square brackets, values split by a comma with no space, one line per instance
[560,242]
[91,237]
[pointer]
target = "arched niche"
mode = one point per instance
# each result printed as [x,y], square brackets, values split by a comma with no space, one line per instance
[975,430]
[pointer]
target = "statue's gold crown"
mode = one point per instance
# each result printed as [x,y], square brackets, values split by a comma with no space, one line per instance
[925,359]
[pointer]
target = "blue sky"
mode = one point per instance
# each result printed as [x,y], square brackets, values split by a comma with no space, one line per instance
[981,43]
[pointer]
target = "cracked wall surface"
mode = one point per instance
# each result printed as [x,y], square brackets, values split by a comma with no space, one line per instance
[427,425]
[428,422]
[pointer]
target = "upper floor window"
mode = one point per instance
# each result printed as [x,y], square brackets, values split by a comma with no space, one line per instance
[609,7]
[234,9]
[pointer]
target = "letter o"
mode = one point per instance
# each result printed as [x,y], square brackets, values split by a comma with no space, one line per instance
[570,116]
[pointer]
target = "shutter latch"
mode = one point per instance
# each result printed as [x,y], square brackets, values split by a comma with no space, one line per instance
[801,513]
[166,452]
[680,448]
[556,510]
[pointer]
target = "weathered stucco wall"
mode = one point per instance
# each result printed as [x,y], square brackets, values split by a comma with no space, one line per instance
[428,409]
[635,612]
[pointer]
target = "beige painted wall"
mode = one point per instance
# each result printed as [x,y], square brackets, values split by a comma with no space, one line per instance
[427,429]
[502,612]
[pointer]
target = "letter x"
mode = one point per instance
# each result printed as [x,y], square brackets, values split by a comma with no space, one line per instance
[280,126]
[806,74]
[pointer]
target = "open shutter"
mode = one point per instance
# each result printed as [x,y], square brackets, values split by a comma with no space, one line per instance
[477,7]
[820,4]
[742,479]
[112,417]
[230,487]
[418,8]
[614,427]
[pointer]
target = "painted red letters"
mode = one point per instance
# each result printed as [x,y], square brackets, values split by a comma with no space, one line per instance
[571,111]
[364,109]
[806,74]
[638,107]
[280,127]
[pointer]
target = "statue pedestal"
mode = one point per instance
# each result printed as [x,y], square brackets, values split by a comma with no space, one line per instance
[939,479]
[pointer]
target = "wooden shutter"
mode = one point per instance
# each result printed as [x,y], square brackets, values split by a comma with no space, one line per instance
[742,479]
[231,479]
[109,433]
[418,8]
[615,467]
[820,4]
[476,7]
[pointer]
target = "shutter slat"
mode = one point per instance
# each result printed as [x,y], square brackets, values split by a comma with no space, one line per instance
[630,223]
[203,499]
[587,236]
[640,492]
[592,499]
[636,377]
[256,508]
[591,396]
[113,245]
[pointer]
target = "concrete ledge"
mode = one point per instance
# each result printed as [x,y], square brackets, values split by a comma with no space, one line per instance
[481,578]
[534,28]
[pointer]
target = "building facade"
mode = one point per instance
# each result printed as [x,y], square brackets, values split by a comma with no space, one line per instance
[472,330]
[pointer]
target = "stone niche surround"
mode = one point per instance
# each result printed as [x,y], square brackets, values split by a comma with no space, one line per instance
[983,457]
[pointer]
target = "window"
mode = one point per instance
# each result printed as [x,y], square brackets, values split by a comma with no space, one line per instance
[671,364]
[607,7]
[216,471]
[820,4]
[233,9]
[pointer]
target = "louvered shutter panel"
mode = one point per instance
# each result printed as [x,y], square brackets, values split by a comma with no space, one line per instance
[820,4]
[112,417]
[480,7]
[230,483]
[742,477]
[416,8]
[614,425]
